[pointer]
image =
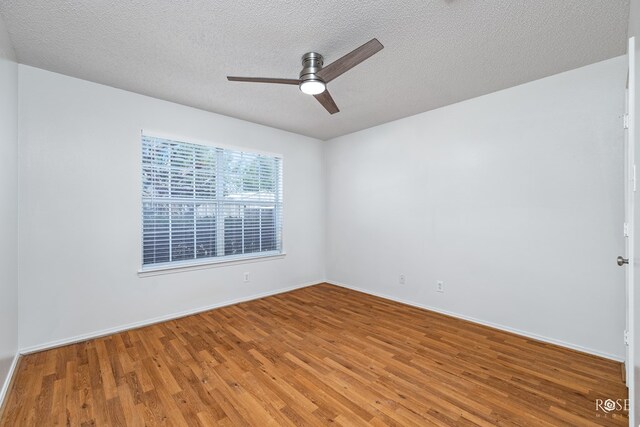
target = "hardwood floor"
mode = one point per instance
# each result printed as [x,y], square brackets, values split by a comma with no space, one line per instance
[315,356]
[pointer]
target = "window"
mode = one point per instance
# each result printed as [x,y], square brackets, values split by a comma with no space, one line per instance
[202,204]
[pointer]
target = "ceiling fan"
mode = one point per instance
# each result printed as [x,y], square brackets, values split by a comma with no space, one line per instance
[314,78]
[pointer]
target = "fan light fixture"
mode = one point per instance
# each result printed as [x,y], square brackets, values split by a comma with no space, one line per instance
[313,78]
[312,87]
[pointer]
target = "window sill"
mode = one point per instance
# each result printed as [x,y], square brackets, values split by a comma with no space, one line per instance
[179,268]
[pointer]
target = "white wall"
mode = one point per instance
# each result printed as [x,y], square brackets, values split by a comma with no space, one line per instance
[513,199]
[80,210]
[8,207]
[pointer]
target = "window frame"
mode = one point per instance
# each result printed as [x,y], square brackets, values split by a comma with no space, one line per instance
[218,261]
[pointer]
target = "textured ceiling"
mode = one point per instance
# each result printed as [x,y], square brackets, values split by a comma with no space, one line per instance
[437,52]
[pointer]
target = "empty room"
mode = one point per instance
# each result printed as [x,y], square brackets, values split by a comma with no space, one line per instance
[305,213]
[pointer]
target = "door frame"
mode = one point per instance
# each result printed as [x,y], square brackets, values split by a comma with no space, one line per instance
[629,202]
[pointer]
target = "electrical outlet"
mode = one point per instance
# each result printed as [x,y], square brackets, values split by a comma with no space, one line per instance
[246,277]
[402,280]
[440,286]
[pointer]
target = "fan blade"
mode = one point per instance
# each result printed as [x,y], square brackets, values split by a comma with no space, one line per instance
[263,80]
[327,102]
[350,60]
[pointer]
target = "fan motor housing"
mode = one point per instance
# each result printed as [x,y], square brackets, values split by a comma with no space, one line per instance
[311,63]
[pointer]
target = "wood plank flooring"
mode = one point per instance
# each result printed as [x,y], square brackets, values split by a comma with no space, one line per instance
[315,356]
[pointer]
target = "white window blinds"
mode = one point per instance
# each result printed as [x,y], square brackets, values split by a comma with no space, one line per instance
[202,203]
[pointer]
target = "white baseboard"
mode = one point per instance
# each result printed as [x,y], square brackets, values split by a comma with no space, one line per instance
[485,323]
[104,332]
[7,381]
[97,334]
